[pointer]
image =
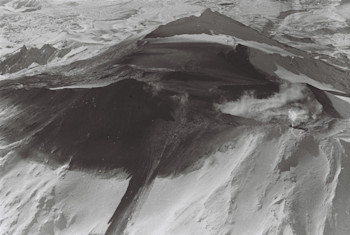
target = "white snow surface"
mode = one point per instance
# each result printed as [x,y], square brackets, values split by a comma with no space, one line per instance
[250,186]
[229,40]
[37,199]
[283,73]
[83,86]
[256,183]
[86,22]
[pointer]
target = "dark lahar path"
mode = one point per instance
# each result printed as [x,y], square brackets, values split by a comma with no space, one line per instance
[133,125]
[157,116]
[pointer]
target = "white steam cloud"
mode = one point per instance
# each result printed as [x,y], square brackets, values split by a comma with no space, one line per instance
[294,102]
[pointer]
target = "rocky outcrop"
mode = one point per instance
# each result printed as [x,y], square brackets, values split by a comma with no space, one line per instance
[26,57]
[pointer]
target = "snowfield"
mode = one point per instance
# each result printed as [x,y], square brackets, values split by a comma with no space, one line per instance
[156,117]
[37,199]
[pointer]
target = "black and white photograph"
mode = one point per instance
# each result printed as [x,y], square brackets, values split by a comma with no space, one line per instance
[162,117]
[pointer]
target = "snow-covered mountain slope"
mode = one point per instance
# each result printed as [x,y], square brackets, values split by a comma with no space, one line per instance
[88,27]
[200,126]
[37,199]
[264,180]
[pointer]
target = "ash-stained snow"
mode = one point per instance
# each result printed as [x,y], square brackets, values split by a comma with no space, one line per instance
[129,124]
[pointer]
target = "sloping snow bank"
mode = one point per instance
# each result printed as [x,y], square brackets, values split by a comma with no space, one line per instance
[265,181]
[36,199]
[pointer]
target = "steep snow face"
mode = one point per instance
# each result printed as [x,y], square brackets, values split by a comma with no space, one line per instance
[265,180]
[37,199]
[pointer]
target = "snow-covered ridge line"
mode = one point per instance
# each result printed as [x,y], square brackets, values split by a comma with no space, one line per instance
[83,86]
[301,78]
[225,40]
